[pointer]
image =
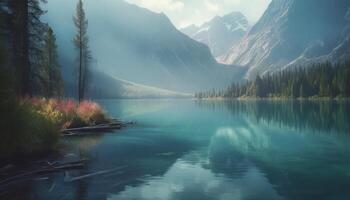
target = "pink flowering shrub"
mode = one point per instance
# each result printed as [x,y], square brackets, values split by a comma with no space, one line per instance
[67,106]
[89,111]
[68,113]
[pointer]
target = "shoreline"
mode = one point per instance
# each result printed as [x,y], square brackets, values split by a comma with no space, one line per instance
[274,99]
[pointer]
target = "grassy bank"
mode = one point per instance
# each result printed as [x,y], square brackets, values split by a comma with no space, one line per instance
[32,125]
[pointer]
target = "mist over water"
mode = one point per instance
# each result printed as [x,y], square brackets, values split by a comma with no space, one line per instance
[183,149]
[159,100]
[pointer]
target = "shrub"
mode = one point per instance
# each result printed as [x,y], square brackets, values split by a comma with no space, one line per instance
[24,131]
[68,113]
[89,112]
[32,125]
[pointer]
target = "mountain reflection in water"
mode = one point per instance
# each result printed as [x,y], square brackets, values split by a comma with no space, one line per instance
[184,149]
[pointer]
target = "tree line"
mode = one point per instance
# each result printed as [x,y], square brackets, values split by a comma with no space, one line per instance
[322,116]
[29,50]
[317,80]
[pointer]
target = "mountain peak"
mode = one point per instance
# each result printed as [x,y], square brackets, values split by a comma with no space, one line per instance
[293,32]
[220,33]
[235,14]
[189,29]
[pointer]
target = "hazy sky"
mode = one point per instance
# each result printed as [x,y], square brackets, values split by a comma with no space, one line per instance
[186,12]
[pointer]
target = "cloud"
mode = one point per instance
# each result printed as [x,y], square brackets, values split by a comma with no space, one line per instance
[187,177]
[232,2]
[187,12]
[211,6]
[184,23]
[160,5]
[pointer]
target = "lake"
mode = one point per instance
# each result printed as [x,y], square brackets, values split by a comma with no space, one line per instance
[187,149]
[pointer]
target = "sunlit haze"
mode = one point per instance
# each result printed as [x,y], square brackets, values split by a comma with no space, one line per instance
[175,99]
[186,12]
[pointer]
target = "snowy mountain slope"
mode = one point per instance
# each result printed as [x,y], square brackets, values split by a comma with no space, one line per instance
[293,32]
[221,33]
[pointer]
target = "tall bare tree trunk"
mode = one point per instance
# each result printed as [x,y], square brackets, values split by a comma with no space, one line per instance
[80,96]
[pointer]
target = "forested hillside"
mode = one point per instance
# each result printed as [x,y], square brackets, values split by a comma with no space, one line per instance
[33,111]
[318,80]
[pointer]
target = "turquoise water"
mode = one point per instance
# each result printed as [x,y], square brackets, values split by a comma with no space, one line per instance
[184,149]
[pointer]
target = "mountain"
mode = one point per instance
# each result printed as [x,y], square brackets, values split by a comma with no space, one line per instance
[138,45]
[106,86]
[220,33]
[295,32]
[190,30]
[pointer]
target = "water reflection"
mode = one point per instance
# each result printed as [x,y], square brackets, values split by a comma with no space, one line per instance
[252,150]
[228,149]
[292,155]
[326,116]
[188,180]
[78,147]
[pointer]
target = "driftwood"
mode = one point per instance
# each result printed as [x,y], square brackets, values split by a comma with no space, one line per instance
[96,128]
[93,128]
[68,178]
[44,170]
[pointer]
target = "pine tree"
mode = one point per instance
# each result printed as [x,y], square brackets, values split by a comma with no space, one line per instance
[81,41]
[301,91]
[53,78]
[259,87]
[37,30]
[26,42]
[324,80]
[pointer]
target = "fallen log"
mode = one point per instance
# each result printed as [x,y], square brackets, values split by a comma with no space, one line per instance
[96,128]
[68,178]
[45,170]
[93,128]
[81,133]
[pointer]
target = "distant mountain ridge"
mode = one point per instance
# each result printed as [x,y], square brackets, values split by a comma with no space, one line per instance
[294,32]
[135,44]
[220,33]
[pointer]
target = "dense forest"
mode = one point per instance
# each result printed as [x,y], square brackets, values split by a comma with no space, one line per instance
[31,60]
[33,106]
[31,51]
[318,80]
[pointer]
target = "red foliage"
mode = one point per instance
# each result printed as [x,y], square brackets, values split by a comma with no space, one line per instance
[67,106]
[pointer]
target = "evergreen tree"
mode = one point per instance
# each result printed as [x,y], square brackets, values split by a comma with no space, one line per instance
[81,41]
[26,40]
[259,87]
[322,80]
[301,91]
[52,75]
